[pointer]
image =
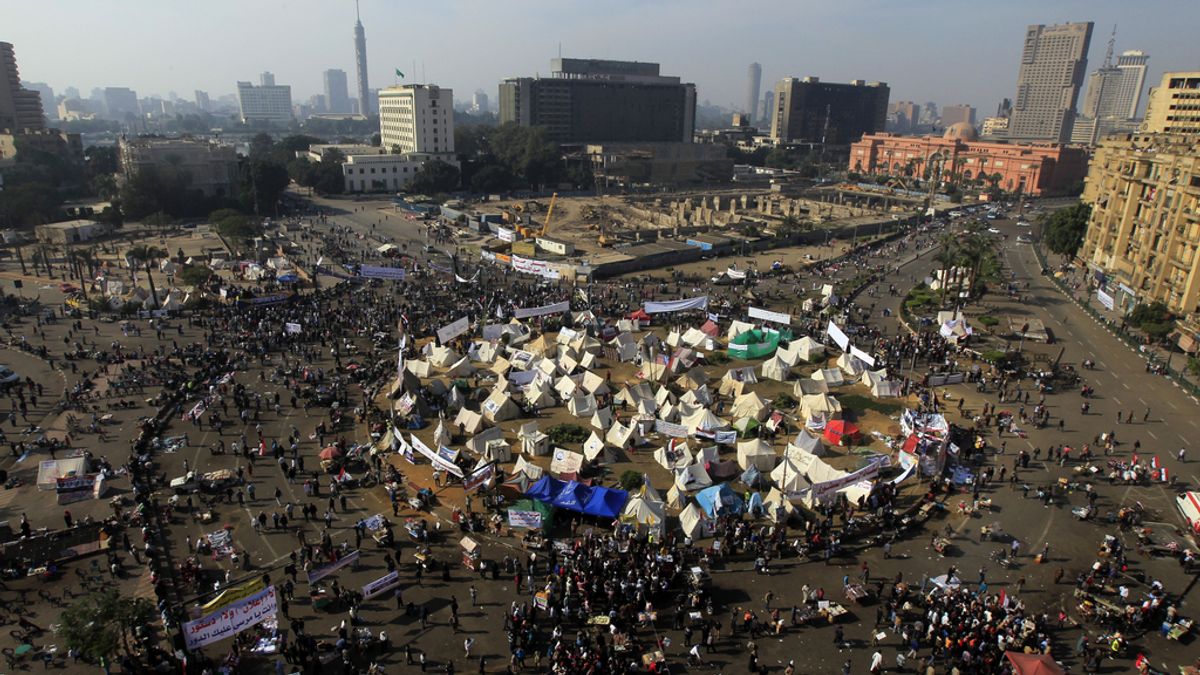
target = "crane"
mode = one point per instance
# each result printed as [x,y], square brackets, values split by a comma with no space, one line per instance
[549,214]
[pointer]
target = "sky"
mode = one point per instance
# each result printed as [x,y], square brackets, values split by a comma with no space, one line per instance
[946,51]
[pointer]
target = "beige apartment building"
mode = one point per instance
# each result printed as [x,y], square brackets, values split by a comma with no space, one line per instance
[1142,240]
[1174,105]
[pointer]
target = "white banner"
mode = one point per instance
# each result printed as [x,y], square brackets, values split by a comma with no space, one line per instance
[735,273]
[292,328]
[838,336]
[380,585]
[452,330]
[862,356]
[677,305]
[478,477]
[318,573]
[774,317]
[822,491]
[531,266]
[504,234]
[670,429]
[231,620]
[1104,298]
[556,308]
[530,520]
[376,272]
[433,457]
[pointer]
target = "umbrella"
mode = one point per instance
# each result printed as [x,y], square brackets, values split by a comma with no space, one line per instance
[330,453]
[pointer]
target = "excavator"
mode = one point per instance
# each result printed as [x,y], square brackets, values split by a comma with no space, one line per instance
[529,232]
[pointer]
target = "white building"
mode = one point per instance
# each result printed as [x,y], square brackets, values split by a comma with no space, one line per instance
[417,118]
[382,173]
[269,103]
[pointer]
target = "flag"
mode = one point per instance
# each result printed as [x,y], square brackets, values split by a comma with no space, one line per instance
[399,74]
[1154,462]
[1003,598]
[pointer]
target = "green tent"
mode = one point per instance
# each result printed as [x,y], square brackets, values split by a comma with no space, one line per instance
[757,343]
[543,508]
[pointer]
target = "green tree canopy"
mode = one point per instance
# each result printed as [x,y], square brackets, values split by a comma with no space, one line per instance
[435,176]
[100,624]
[1063,230]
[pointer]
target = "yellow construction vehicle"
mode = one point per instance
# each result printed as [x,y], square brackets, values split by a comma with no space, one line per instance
[530,232]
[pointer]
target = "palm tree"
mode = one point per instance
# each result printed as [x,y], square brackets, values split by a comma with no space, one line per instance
[948,258]
[76,259]
[974,252]
[147,255]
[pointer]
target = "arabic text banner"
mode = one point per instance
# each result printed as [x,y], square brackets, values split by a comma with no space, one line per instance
[452,330]
[232,620]
[556,308]
[376,272]
[677,305]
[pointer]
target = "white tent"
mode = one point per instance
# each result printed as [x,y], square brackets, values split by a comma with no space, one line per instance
[594,384]
[602,419]
[582,405]
[567,363]
[695,377]
[777,506]
[538,395]
[750,404]
[699,396]
[501,366]
[631,394]
[647,407]
[731,388]
[443,357]
[440,435]
[808,348]
[663,396]
[499,407]
[417,367]
[788,355]
[806,385]
[588,361]
[673,338]
[478,443]
[851,365]
[528,468]
[788,476]
[482,352]
[885,389]
[737,328]
[533,441]
[626,346]
[623,436]
[806,442]
[645,514]
[496,450]
[757,453]
[819,404]
[648,492]
[460,368]
[692,521]
[674,458]
[692,477]
[567,385]
[595,449]
[776,369]
[652,371]
[676,498]
[832,377]
[471,422]
[703,420]
[693,337]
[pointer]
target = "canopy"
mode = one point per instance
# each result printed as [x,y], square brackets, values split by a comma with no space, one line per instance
[329,453]
[572,496]
[546,489]
[755,344]
[1033,664]
[605,502]
[838,430]
[720,500]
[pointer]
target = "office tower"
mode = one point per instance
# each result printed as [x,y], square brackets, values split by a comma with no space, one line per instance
[929,113]
[265,103]
[753,85]
[202,101]
[1005,108]
[360,62]
[1174,105]
[1142,238]
[1053,63]
[598,101]
[768,110]
[20,108]
[71,92]
[266,79]
[906,114]
[479,102]
[121,101]
[47,96]
[417,118]
[319,104]
[1132,64]
[953,114]
[337,95]
[812,111]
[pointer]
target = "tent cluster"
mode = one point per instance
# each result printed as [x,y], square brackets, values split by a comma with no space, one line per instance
[574,496]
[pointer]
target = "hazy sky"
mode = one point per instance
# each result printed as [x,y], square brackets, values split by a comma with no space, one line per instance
[947,51]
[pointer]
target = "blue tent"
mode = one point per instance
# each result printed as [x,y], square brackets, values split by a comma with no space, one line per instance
[605,502]
[288,278]
[755,506]
[751,476]
[573,496]
[720,500]
[546,489]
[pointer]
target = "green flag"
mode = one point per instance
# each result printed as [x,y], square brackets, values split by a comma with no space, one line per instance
[399,74]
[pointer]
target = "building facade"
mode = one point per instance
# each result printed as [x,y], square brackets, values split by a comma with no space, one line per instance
[211,168]
[958,156]
[955,114]
[1174,105]
[601,101]
[753,86]
[202,101]
[1143,239]
[265,103]
[337,94]
[20,108]
[384,173]
[120,102]
[809,110]
[1053,65]
[994,126]
[417,118]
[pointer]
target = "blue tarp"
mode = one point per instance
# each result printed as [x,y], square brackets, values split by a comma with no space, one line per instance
[572,496]
[720,500]
[605,502]
[546,489]
[751,476]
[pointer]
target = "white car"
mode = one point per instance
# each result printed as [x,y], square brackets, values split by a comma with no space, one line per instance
[1024,239]
[993,230]
[1024,223]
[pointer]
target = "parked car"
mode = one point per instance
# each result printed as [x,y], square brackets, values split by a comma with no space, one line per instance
[8,377]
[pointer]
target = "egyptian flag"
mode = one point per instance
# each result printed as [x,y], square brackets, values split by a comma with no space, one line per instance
[1135,458]
[1154,463]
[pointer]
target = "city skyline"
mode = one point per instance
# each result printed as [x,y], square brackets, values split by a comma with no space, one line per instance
[983,69]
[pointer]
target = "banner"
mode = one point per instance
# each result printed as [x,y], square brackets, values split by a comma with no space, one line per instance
[452,330]
[822,491]
[318,573]
[380,585]
[1104,298]
[376,272]
[862,356]
[478,477]
[725,437]
[433,457]
[291,328]
[531,266]
[530,520]
[670,429]
[774,317]
[700,302]
[734,273]
[556,308]
[565,461]
[838,336]
[231,595]
[504,234]
[232,620]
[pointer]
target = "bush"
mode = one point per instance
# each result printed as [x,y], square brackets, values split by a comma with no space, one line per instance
[994,356]
[631,480]
[988,320]
[717,357]
[562,434]
[857,402]
[784,401]
[194,275]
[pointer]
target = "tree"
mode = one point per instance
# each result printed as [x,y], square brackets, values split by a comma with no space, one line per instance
[101,623]
[234,225]
[491,178]
[434,176]
[527,152]
[77,259]
[262,183]
[1064,229]
[194,275]
[947,257]
[148,256]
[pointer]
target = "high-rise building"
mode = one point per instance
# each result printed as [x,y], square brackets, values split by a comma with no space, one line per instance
[809,110]
[905,116]
[265,103]
[337,95]
[768,104]
[479,102]
[1115,92]
[953,114]
[753,85]
[598,101]
[929,113]
[1143,238]
[47,95]
[120,102]
[360,63]
[1174,105]
[266,79]
[1053,64]
[202,101]
[1005,108]
[417,118]
[20,108]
